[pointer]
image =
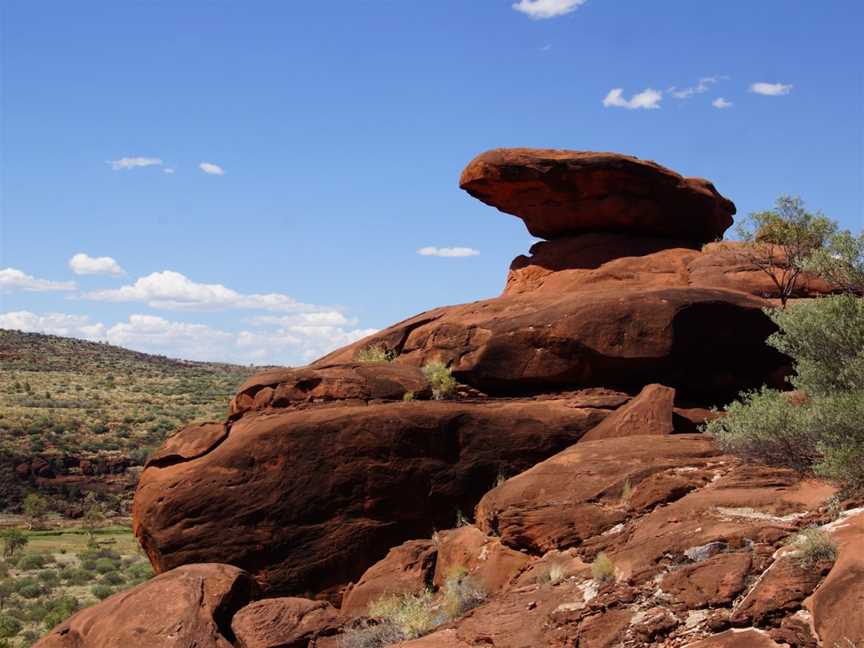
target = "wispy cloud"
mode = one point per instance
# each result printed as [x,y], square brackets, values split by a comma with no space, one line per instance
[721,103]
[211,169]
[168,170]
[126,163]
[704,85]
[175,291]
[84,264]
[771,89]
[647,99]
[539,9]
[12,279]
[448,251]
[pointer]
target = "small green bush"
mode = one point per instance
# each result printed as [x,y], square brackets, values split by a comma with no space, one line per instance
[32,561]
[105,565]
[375,353]
[113,578]
[9,626]
[602,568]
[440,379]
[73,576]
[101,591]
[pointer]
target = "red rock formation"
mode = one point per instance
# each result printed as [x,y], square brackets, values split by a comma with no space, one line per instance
[189,606]
[560,193]
[307,499]
[284,623]
[651,412]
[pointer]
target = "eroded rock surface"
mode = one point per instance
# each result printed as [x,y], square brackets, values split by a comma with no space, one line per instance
[559,193]
[188,606]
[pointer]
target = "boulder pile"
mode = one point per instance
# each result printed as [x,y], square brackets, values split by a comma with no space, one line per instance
[564,477]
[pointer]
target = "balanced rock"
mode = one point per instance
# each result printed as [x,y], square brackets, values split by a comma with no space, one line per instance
[560,193]
[188,606]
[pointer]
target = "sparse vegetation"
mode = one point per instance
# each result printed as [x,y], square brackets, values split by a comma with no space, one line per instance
[408,396]
[819,429]
[551,574]
[375,353]
[440,379]
[602,568]
[782,240]
[461,592]
[412,614]
[108,406]
[60,574]
[814,545]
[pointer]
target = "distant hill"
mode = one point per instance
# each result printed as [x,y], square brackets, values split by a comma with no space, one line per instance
[63,397]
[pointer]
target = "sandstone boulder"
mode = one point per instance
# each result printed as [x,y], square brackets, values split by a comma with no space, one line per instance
[353,381]
[308,499]
[708,344]
[406,569]
[650,412]
[187,606]
[560,193]
[284,623]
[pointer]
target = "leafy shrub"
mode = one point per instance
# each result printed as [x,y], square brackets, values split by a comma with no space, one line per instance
[9,626]
[32,561]
[814,545]
[375,353]
[822,431]
[60,609]
[29,588]
[602,568]
[73,576]
[105,565]
[101,591]
[408,396]
[113,578]
[442,382]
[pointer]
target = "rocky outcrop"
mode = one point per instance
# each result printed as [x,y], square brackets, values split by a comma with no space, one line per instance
[189,606]
[560,193]
[284,623]
[601,517]
[307,499]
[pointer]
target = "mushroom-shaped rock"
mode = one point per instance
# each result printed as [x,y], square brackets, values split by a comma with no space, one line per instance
[187,606]
[561,193]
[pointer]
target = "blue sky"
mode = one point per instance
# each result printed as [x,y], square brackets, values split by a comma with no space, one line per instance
[332,136]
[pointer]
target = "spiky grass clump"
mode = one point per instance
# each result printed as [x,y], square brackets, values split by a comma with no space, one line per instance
[603,569]
[814,545]
[375,353]
[442,382]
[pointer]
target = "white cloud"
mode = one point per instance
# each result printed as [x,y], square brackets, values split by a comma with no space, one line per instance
[133,162]
[169,170]
[647,99]
[721,103]
[173,290]
[704,85]
[539,9]
[12,279]
[211,169]
[448,251]
[771,89]
[53,324]
[83,264]
[291,340]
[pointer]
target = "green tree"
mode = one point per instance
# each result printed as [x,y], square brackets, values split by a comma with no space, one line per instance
[93,516]
[35,509]
[7,588]
[781,241]
[841,261]
[13,541]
